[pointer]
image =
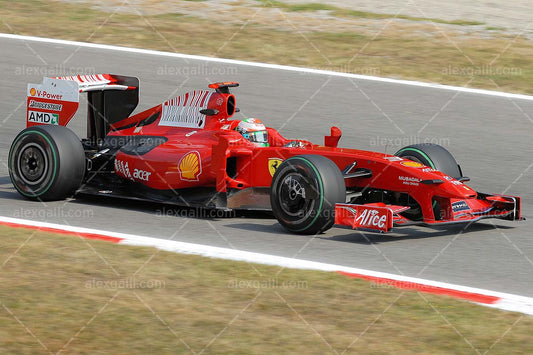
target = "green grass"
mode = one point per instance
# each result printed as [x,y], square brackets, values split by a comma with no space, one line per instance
[62,292]
[400,51]
[340,12]
[494,28]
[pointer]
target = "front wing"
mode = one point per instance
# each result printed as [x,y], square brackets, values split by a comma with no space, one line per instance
[382,218]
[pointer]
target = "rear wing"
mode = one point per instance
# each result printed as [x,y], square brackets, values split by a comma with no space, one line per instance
[111,99]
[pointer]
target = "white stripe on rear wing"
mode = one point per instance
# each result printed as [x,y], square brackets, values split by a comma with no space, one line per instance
[95,82]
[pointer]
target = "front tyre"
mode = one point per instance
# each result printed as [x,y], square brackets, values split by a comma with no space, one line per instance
[46,163]
[304,191]
[434,156]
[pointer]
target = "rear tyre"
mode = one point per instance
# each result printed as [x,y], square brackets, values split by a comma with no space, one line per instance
[434,156]
[46,163]
[304,191]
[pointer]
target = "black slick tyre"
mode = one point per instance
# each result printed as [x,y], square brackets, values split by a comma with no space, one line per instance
[46,163]
[304,191]
[434,156]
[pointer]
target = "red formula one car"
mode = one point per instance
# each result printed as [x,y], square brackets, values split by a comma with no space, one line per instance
[187,151]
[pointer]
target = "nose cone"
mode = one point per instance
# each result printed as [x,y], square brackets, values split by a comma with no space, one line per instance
[455,189]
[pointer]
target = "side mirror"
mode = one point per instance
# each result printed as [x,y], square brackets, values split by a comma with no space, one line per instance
[333,139]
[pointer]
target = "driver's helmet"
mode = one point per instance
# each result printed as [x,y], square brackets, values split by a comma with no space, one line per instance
[253,130]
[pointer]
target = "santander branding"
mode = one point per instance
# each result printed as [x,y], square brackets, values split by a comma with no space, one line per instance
[371,218]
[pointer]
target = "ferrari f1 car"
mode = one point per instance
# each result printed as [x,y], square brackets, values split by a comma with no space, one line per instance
[187,152]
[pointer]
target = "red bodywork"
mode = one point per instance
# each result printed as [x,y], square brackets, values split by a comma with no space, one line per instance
[191,143]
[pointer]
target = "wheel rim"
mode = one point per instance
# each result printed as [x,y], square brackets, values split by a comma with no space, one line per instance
[32,164]
[294,196]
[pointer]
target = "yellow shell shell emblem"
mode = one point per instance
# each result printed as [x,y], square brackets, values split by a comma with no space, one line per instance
[273,164]
[412,164]
[33,91]
[190,167]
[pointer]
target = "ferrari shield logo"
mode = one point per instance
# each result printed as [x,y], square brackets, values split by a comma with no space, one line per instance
[273,164]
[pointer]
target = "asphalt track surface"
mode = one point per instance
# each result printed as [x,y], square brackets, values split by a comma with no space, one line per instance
[490,137]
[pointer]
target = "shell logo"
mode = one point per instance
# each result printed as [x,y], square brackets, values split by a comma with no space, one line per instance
[412,164]
[33,91]
[189,166]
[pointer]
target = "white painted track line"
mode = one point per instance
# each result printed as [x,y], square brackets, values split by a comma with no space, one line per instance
[500,300]
[267,66]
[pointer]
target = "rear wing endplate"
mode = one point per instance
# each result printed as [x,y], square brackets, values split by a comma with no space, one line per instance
[111,98]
